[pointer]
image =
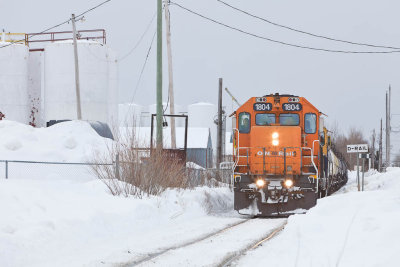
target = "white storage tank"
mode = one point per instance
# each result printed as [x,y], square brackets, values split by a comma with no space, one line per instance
[129,115]
[98,87]
[14,82]
[203,114]
[113,112]
[35,78]
[145,118]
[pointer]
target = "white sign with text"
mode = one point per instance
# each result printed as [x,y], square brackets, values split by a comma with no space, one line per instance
[363,148]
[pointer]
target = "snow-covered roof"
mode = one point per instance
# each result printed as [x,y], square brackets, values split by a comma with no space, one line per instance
[202,104]
[197,136]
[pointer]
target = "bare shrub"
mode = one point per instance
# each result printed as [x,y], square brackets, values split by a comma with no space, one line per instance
[136,170]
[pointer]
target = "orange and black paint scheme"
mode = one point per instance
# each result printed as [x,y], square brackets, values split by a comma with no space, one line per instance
[283,156]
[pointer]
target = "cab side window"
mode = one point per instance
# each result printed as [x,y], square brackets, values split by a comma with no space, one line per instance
[310,123]
[244,122]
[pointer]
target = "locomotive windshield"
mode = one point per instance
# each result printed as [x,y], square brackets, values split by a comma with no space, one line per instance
[265,119]
[287,119]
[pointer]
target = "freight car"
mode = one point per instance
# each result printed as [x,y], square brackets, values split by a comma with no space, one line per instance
[283,156]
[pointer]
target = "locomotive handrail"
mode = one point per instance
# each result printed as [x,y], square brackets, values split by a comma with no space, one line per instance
[312,160]
[284,155]
[237,155]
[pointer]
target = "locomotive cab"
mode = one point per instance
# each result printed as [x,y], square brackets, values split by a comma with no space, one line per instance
[277,152]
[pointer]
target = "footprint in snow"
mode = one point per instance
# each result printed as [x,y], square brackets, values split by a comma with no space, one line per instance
[13,145]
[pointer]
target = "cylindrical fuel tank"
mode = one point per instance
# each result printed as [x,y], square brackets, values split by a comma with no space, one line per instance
[202,114]
[129,115]
[98,87]
[14,82]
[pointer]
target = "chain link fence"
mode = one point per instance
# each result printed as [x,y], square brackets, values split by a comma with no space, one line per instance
[22,169]
[83,171]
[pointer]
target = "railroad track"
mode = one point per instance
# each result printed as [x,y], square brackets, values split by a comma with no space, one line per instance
[221,248]
[185,244]
[229,261]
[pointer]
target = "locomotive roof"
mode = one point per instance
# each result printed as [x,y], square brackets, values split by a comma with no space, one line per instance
[284,95]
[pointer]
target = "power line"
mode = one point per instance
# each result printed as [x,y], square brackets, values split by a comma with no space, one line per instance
[58,25]
[140,39]
[304,32]
[281,42]
[143,67]
[141,72]
[93,8]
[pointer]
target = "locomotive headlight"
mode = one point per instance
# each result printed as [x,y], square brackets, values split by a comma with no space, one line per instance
[275,140]
[288,183]
[260,183]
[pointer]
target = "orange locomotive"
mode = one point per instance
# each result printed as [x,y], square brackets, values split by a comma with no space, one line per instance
[283,156]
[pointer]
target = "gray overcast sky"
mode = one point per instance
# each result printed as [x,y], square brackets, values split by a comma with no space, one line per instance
[349,88]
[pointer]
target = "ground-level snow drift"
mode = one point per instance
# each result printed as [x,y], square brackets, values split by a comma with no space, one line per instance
[349,228]
[69,223]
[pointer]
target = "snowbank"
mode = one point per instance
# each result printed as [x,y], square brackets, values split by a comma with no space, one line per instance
[65,223]
[349,228]
[74,141]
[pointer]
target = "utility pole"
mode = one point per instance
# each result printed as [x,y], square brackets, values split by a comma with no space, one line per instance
[373,149]
[390,122]
[219,125]
[380,150]
[358,171]
[388,128]
[77,87]
[170,75]
[159,77]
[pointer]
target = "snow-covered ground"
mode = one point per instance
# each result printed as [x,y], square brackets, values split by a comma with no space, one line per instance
[69,223]
[349,228]
[70,219]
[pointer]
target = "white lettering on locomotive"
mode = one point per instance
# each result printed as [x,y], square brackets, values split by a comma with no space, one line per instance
[261,99]
[277,153]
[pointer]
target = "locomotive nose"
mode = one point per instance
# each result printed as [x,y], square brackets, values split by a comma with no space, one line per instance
[269,144]
[275,136]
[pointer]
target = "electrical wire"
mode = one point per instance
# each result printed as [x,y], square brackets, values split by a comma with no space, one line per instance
[166,107]
[93,8]
[143,67]
[58,25]
[140,39]
[141,72]
[281,42]
[304,32]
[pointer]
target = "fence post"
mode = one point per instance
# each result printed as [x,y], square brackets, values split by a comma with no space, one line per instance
[6,169]
[117,166]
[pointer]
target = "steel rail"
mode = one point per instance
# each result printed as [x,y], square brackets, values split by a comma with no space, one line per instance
[228,261]
[185,244]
